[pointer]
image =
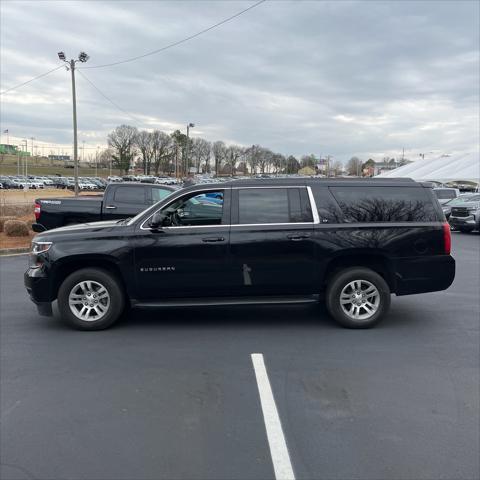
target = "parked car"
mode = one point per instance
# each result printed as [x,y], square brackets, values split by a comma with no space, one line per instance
[466,216]
[120,200]
[444,195]
[353,242]
[7,183]
[447,207]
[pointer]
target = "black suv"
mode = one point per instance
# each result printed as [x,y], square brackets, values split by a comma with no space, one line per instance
[353,242]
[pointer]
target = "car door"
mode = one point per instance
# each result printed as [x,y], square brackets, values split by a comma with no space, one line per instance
[188,255]
[271,241]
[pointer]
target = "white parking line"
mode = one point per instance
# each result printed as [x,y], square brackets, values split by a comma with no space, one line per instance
[276,439]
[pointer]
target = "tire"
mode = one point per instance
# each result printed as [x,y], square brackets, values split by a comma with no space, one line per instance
[376,297]
[86,288]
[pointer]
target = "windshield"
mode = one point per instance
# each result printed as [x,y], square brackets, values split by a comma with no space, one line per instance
[463,199]
[444,194]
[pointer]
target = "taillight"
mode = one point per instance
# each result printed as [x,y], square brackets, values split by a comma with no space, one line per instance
[447,239]
[37,210]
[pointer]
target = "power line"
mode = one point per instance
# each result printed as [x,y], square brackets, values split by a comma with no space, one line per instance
[108,98]
[31,80]
[174,44]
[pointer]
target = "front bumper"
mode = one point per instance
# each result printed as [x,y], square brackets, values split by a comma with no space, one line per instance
[38,288]
[467,222]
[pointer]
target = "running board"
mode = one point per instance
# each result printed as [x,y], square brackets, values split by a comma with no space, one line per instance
[225,301]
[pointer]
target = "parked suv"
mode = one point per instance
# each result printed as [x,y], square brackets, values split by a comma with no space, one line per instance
[353,242]
[466,216]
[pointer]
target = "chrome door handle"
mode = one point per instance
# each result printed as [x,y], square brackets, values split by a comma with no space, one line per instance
[110,207]
[213,239]
[298,237]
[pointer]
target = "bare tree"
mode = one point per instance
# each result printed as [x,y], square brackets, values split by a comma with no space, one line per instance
[233,154]
[162,151]
[252,157]
[144,142]
[105,158]
[354,166]
[219,154]
[279,162]
[122,140]
[200,154]
[264,158]
[337,167]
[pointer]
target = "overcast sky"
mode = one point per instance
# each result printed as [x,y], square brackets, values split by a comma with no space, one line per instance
[343,78]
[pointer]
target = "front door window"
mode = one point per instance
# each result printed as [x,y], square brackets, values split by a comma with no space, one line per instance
[195,210]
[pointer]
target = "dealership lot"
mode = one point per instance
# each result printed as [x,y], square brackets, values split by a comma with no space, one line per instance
[173,393]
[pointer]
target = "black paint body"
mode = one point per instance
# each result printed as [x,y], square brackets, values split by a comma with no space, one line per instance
[238,260]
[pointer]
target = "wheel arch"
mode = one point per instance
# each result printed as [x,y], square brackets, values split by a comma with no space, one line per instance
[78,262]
[377,261]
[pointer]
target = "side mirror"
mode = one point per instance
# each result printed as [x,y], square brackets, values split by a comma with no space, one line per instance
[157,220]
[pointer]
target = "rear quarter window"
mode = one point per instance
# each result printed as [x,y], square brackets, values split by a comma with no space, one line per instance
[385,204]
[133,195]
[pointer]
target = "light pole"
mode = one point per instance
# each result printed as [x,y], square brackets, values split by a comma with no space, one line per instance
[96,162]
[189,126]
[25,163]
[82,57]
[32,139]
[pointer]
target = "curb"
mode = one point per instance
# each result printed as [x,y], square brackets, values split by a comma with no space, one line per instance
[14,251]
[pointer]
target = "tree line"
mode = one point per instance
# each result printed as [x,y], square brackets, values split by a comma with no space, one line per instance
[159,152]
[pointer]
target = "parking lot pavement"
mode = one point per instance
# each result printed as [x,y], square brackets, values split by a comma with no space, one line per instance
[173,393]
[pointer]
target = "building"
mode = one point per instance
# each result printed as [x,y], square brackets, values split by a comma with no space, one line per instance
[6,149]
[64,158]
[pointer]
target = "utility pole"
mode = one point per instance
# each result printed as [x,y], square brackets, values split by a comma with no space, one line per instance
[82,57]
[189,125]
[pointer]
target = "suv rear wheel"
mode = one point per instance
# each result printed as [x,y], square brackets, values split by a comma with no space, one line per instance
[90,299]
[357,297]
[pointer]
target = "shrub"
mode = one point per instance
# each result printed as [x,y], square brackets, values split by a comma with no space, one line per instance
[16,209]
[16,228]
[3,220]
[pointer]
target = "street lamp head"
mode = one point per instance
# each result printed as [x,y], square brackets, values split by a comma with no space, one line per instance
[61,55]
[191,125]
[83,57]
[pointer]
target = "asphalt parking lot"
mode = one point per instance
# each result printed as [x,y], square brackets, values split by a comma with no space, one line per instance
[172,394]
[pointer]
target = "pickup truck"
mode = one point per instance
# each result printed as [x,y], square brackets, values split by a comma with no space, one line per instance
[120,200]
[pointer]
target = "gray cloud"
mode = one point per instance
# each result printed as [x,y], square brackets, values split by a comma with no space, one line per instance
[341,78]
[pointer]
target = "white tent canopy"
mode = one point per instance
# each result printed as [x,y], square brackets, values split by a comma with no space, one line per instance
[462,167]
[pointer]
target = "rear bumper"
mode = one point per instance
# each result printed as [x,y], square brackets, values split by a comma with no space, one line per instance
[424,274]
[38,289]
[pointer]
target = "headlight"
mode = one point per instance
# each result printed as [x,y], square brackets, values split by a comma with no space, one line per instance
[41,247]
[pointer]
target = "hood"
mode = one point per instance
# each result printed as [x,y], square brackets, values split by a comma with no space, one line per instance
[79,229]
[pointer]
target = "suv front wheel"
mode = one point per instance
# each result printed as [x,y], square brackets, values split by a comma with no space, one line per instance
[357,297]
[90,299]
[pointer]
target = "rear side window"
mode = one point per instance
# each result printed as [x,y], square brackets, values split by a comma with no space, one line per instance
[384,204]
[130,195]
[444,194]
[327,207]
[271,205]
